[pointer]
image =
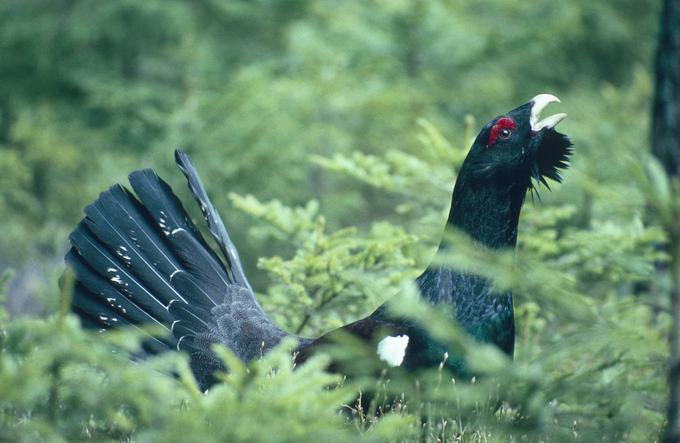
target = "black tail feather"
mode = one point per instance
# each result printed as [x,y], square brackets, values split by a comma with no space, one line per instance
[183,328]
[120,206]
[186,284]
[92,286]
[191,315]
[164,207]
[95,314]
[215,224]
[203,267]
[109,266]
[142,262]
[100,315]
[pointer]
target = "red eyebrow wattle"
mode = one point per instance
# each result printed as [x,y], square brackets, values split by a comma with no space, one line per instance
[502,123]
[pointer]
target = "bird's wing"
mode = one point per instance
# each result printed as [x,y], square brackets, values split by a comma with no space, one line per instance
[376,330]
[395,341]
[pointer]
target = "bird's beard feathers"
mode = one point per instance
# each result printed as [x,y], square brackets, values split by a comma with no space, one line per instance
[551,158]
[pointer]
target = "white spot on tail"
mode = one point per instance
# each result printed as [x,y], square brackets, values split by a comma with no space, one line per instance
[392,349]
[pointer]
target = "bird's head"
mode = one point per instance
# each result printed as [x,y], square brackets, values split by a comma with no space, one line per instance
[518,146]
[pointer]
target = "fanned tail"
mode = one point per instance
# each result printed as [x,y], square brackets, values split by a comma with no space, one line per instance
[138,259]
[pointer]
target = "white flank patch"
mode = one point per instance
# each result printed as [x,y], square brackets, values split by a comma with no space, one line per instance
[392,349]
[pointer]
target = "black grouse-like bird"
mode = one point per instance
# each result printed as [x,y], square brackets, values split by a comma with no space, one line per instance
[139,259]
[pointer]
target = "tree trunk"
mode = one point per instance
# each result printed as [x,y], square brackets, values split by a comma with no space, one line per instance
[666,113]
[672,432]
[666,147]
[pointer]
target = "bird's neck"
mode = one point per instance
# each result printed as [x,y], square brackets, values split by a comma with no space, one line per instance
[488,211]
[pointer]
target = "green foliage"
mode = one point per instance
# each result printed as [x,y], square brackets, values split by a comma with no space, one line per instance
[61,384]
[332,278]
[335,130]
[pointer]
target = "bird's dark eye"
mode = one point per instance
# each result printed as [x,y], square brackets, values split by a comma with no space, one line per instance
[503,129]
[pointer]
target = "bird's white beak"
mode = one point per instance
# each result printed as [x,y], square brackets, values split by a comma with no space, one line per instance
[540,102]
